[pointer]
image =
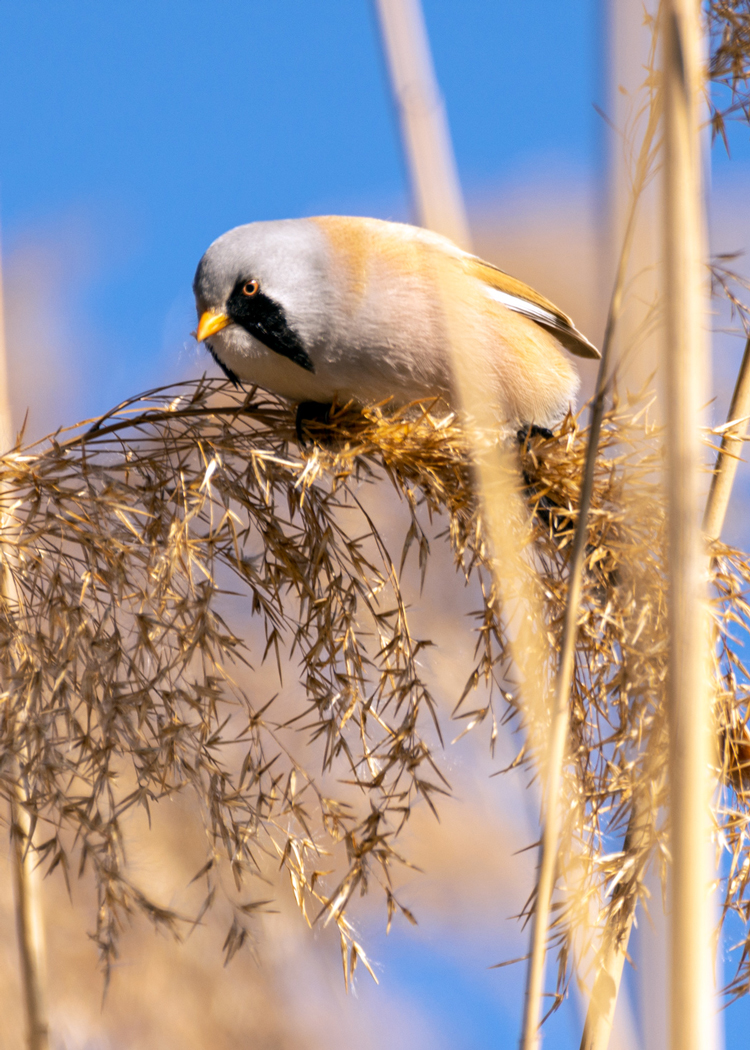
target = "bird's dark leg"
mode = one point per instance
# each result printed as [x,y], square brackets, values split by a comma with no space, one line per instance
[543,507]
[529,430]
[312,412]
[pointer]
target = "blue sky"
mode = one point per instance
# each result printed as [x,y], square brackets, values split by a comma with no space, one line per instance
[135,132]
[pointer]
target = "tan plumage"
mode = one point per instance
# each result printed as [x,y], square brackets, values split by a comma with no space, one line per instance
[347,308]
[560,324]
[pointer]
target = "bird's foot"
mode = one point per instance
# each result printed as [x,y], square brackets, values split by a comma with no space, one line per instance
[310,412]
[530,430]
[544,506]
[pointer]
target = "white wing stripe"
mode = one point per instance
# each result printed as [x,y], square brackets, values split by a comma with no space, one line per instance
[522,306]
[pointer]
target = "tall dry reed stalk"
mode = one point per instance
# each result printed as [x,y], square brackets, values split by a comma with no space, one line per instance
[562,699]
[435,188]
[692,1005]
[408,50]
[730,62]
[727,460]
[29,918]
[604,996]
[424,126]
[29,926]
[611,956]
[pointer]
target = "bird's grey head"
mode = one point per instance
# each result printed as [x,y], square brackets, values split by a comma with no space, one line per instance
[266,280]
[287,259]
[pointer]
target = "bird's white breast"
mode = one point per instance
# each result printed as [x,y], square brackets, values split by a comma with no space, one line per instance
[253,362]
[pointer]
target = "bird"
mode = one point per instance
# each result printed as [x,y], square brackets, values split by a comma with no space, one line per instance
[333,309]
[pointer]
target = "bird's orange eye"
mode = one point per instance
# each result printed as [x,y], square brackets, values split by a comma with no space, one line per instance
[250,289]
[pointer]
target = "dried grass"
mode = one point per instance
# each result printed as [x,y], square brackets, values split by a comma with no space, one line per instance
[729,65]
[125,684]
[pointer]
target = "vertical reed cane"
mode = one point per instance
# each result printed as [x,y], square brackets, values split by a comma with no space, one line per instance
[29,921]
[30,928]
[424,126]
[692,1025]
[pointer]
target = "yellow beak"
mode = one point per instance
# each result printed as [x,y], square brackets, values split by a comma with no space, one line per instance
[210,323]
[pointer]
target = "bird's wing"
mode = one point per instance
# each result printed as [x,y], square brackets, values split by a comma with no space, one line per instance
[524,300]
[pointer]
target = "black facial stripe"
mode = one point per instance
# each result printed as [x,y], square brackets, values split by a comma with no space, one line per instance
[266,321]
[227,371]
[277,336]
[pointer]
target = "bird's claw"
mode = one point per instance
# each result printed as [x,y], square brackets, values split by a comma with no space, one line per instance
[310,412]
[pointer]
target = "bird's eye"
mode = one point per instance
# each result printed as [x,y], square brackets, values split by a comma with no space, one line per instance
[250,289]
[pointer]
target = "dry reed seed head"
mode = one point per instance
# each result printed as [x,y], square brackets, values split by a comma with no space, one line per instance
[729,64]
[727,284]
[126,680]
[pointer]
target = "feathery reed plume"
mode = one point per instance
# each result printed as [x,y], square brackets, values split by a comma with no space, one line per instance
[729,67]
[129,682]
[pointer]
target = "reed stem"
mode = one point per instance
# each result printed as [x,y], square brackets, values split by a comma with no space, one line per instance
[601,1011]
[728,456]
[437,194]
[606,989]
[29,921]
[424,125]
[691,986]
[30,929]
[559,729]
